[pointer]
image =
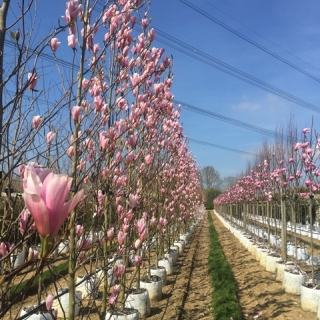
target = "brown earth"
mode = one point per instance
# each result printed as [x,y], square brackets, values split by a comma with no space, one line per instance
[258,289]
[187,295]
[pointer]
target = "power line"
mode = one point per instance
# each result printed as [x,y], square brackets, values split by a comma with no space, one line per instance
[201,56]
[260,35]
[229,120]
[221,147]
[242,36]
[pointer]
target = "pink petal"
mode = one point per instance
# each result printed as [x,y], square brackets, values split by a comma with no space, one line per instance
[55,191]
[66,209]
[39,213]
[49,302]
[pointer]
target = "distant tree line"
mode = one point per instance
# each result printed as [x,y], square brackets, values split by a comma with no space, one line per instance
[212,184]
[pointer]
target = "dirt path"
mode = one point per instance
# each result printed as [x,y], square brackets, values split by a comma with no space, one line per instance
[258,290]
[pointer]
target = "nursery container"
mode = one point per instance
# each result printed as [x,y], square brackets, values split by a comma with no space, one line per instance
[17,259]
[109,272]
[160,272]
[180,244]
[292,280]
[310,297]
[44,315]
[167,263]
[154,287]
[62,303]
[280,266]
[173,256]
[139,299]
[88,286]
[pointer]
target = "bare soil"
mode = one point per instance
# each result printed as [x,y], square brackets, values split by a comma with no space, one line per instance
[259,292]
[187,295]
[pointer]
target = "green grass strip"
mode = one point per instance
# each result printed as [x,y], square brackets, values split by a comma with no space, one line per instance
[225,301]
[47,277]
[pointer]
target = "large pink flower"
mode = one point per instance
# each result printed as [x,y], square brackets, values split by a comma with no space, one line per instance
[45,194]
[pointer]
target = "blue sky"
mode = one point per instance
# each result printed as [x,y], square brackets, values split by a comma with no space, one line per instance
[288,28]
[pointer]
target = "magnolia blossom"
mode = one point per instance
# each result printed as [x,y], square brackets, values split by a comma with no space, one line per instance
[49,302]
[32,80]
[25,221]
[36,121]
[45,195]
[76,113]
[54,44]
[50,136]
[79,230]
[72,41]
[4,249]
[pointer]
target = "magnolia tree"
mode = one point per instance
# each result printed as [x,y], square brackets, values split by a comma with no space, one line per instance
[113,131]
[282,186]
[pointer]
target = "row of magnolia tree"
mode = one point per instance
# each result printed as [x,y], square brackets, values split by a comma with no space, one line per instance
[112,130]
[284,186]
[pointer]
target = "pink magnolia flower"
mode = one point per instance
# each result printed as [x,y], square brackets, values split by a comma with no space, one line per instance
[148,159]
[72,41]
[50,136]
[32,80]
[21,168]
[81,257]
[79,230]
[133,200]
[49,302]
[137,260]
[113,298]
[116,288]
[306,130]
[36,121]
[141,225]
[54,44]
[110,234]
[45,194]
[121,237]
[25,221]
[137,244]
[70,151]
[4,249]
[76,113]
[119,270]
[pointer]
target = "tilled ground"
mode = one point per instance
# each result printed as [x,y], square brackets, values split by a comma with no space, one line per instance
[259,293]
[187,295]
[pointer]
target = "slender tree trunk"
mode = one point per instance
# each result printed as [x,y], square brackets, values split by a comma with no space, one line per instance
[3,21]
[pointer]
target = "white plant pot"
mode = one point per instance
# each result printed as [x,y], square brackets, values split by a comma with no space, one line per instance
[310,298]
[160,272]
[63,247]
[184,237]
[154,287]
[271,260]
[139,300]
[36,316]
[180,244]
[88,287]
[62,303]
[167,264]
[175,248]
[17,259]
[110,274]
[291,282]
[173,256]
[263,256]
[280,266]
[126,314]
